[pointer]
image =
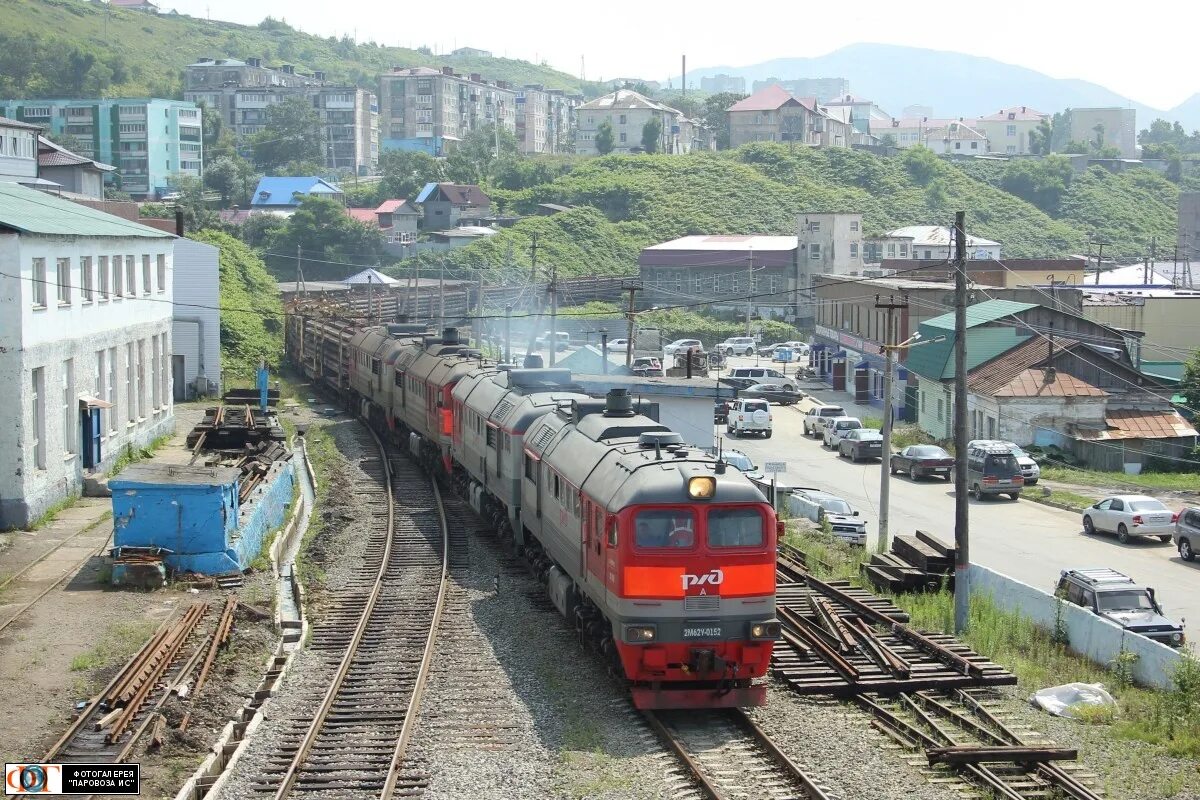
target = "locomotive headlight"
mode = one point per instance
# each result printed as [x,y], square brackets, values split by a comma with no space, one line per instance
[702,487]
[764,630]
[640,634]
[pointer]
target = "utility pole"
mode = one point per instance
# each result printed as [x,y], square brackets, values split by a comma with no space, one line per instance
[479,310]
[750,292]
[441,296]
[553,312]
[508,333]
[631,287]
[1099,261]
[1150,265]
[300,271]
[962,555]
[885,473]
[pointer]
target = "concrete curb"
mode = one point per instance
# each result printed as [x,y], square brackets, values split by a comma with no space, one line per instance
[1053,504]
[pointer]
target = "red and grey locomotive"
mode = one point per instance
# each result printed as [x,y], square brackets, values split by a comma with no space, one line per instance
[662,558]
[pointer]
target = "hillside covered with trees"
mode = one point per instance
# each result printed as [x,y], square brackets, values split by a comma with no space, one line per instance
[86,48]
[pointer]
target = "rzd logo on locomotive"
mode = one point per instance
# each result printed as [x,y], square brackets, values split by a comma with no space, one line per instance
[713,578]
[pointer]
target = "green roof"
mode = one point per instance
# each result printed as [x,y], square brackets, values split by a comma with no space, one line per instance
[980,313]
[30,211]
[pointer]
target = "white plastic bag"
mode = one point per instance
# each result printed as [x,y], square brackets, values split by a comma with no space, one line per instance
[1059,700]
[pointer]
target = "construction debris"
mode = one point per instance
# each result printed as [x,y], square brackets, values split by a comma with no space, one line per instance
[915,564]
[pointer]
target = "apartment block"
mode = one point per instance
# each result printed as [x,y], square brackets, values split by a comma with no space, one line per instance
[723,83]
[628,112]
[823,89]
[242,92]
[148,140]
[1117,127]
[428,109]
[1010,130]
[85,314]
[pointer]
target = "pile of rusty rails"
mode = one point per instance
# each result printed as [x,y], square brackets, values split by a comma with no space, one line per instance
[845,642]
[112,722]
[242,437]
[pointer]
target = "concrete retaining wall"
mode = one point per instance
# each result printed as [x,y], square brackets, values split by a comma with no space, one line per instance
[1090,636]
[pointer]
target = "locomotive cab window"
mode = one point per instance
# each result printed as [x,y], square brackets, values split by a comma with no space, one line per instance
[735,527]
[665,528]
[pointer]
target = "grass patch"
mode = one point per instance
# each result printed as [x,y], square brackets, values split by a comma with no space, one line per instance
[1076,501]
[829,558]
[53,511]
[132,455]
[322,454]
[905,435]
[1170,481]
[116,646]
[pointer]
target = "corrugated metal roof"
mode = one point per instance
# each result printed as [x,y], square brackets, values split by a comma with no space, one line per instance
[623,98]
[767,98]
[1128,423]
[741,243]
[981,313]
[935,236]
[1024,113]
[993,375]
[31,211]
[1034,383]
[983,344]
[272,191]
[16,123]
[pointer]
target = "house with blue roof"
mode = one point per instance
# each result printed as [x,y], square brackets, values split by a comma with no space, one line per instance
[283,195]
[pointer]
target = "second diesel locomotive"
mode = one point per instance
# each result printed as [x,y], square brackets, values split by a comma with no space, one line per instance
[662,559]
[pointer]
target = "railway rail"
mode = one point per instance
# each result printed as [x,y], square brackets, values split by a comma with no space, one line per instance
[729,756]
[958,731]
[377,639]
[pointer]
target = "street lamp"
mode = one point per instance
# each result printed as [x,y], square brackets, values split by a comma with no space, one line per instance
[885,472]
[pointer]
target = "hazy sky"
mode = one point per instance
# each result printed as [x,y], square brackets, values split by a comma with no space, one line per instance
[1151,61]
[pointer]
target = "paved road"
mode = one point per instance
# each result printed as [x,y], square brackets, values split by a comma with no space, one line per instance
[1026,540]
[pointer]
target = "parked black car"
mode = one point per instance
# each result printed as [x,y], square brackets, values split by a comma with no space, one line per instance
[774,392]
[922,461]
[860,444]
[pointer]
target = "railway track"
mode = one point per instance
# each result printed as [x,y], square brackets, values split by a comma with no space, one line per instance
[377,641]
[961,732]
[729,756]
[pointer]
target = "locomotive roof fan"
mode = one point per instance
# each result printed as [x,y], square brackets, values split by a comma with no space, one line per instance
[618,403]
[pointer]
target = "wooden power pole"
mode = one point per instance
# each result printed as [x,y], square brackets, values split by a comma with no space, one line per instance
[962,555]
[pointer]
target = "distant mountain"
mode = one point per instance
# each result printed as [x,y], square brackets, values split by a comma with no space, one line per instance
[954,84]
[1187,112]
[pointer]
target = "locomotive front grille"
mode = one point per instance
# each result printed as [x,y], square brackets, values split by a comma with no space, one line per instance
[704,602]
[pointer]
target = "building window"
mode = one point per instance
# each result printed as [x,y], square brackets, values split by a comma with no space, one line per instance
[854,249]
[622,137]
[164,374]
[130,277]
[146,286]
[814,227]
[102,276]
[68,402]
[85,279]
[117,282]
[854,225]
[939,409]
[814,251]
[1010,130]
[39,283]
[64,281]
[922,401]
[1012,148]
[155,400]
[112,390]
[38,379]
[958,145]
[903,249]
[891,250]
[928,255]
[130,399]
[141,379]
[622,119]
[974,145]
[101,381]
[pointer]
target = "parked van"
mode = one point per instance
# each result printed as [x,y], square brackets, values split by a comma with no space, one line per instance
[764,375]
[993,469]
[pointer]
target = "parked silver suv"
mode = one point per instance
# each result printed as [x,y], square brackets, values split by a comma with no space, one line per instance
[1117,598]
[1187,533]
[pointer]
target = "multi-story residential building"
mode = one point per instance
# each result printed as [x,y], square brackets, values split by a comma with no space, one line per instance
[823,89]
[431,110]
[533,112]
[927,243]
[832,244]
[242,92]
[723,270]
[1116,126]
[86,323]
[148,140]
[721,82]
[865,113]
[956,138]
[913,131]
[561,120]
[18,150]
[628,112]
[772,114]
[1009,130]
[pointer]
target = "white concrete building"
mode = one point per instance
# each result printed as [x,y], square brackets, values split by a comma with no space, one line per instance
[628,112]
[829,244]
[85,335]
[196,324]
[933,243]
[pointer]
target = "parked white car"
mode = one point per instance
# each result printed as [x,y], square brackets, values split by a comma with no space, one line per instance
[817,506]
[738,345]
[683,345]
[617,344]
[1129,515]
[836,429]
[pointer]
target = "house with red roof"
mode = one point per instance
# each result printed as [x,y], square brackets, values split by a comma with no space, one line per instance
[772,114]
[397,220]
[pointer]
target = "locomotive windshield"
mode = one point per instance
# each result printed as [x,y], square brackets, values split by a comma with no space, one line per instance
[735,527]
[665,528]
